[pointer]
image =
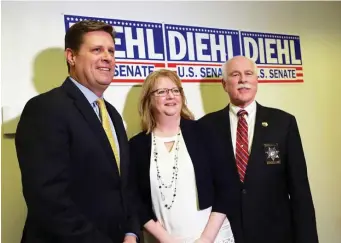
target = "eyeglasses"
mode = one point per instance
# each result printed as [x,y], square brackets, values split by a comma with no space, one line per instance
[164,91]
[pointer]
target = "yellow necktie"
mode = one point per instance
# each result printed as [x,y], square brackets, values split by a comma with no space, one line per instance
[106,126]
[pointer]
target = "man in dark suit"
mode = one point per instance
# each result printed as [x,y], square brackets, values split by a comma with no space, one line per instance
[73,151]
[265,145]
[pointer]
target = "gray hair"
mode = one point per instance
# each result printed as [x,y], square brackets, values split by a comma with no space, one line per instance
[225,71]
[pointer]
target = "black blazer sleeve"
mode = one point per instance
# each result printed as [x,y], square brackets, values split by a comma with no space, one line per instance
[42,144]
[139,155]
[226,184]
[225,181]
[302,207]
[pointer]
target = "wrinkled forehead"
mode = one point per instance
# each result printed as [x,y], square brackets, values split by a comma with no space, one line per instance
[240,65]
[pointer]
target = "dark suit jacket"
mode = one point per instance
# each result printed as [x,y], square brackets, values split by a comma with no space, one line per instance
[71,183]
[276,201]
[216,185]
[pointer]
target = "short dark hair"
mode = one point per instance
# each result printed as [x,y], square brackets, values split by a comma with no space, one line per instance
[74,35]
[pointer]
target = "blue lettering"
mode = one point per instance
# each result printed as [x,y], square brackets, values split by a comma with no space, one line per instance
[202,72]
[126,70]
[190,72]
[181,72]
[261,73]
[210,72]
[282,73]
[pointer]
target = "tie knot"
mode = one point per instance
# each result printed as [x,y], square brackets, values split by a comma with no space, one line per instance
[242,113]
[100,103]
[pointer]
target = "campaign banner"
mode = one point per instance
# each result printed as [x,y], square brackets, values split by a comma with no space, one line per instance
[278,57]
[197,53]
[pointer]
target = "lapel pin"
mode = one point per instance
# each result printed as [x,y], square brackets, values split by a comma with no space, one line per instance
[264,124]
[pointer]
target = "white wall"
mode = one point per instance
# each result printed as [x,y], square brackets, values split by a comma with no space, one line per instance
[32,62]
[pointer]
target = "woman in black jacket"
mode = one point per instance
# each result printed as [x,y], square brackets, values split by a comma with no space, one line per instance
[185,191]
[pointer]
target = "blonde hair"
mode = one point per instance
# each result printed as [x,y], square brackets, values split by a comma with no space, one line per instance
[148,122]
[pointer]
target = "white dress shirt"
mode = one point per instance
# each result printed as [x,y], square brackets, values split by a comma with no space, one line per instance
[92,98]
[250,119]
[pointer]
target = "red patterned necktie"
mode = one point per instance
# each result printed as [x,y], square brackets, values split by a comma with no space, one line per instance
[242,144]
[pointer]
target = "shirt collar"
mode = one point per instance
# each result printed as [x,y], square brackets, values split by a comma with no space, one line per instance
[251,108]
[89,95]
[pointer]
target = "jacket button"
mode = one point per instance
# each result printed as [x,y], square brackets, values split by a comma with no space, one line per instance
[244,191]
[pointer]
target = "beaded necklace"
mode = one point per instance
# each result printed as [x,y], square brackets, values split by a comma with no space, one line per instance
[175,169]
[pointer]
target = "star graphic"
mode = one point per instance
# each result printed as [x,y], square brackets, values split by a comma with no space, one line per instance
[272,153]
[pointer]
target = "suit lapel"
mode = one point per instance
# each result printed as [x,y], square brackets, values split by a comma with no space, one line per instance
[82,104]
[122,139]
[189,136]
[225,128]
[256,148]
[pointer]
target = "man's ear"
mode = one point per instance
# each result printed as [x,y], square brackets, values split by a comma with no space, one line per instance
[70,56]
[223,83]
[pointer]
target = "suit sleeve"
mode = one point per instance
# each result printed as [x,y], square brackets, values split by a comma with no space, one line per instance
[226,181]
[43,145]
[302,207]
[144,207]
[226,184]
